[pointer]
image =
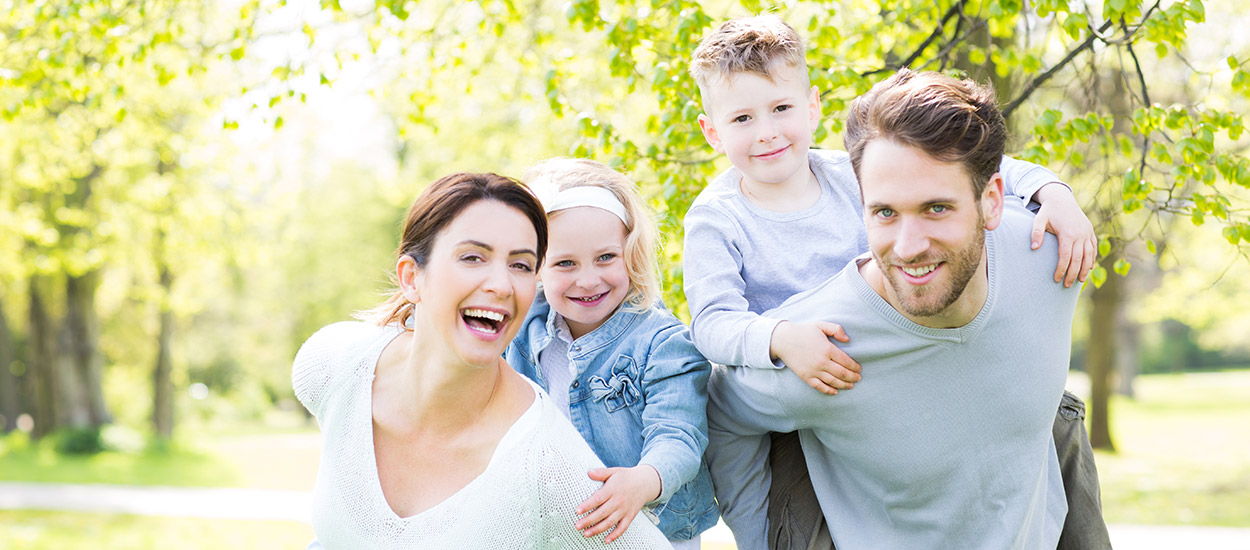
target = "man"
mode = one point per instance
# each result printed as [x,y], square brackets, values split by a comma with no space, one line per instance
[963,336]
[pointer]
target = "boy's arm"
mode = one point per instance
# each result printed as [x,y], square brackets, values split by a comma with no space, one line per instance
[1058,213]
[724,330]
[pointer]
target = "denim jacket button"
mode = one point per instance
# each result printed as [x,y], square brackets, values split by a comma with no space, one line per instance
[576,383]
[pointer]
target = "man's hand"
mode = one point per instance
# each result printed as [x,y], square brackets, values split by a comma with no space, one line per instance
[625,491]
[806,350]
[1060,214]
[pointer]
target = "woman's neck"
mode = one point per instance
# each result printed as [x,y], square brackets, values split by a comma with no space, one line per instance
[421,386]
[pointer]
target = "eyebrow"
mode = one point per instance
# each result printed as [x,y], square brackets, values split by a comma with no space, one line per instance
[923,205]
[489,248]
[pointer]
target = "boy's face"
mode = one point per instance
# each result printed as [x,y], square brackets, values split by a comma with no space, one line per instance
[764,126]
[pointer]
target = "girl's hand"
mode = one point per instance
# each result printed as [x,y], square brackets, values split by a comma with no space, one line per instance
[625,491]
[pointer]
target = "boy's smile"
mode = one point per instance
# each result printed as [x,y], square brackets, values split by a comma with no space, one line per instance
[764,126]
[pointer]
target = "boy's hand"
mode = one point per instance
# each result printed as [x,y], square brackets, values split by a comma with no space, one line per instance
[1060,214]
[625,491]
[806,350]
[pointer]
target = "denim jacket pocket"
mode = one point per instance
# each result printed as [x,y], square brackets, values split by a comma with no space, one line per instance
[620,389]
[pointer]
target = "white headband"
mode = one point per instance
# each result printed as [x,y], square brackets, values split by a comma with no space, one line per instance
[584,195]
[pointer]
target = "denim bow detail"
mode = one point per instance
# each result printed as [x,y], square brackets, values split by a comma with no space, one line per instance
[616,392]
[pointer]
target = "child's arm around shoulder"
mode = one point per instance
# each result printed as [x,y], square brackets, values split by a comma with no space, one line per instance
[1059,213]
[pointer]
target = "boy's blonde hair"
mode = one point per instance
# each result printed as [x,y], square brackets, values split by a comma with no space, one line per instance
[640,231]
[747,45]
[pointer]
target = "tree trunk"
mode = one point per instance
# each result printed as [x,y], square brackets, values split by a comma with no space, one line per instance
[1101,356]
[162,379]
[41,366]
[84,329]
[1127,359]
[9,405]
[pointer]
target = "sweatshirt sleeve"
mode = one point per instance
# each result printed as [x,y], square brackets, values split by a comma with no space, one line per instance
[1023,179]
[724,330]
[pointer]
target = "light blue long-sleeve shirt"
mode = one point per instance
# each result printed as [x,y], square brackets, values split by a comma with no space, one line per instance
[945,443]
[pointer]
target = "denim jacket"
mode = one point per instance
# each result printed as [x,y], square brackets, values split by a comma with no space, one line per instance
[639,396]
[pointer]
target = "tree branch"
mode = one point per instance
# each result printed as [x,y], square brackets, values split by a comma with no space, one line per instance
[954,10]
[1042,78]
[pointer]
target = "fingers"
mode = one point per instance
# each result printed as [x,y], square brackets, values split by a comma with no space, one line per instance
[1074,265]
[620,529]
[598,521]
[1065,259]
[1088,259]
[833,330]
[850,365]
[601,474]
[592,502]
[819,385]
[1039,231]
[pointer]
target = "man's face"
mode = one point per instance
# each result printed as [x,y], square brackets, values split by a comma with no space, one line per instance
[926,232]
[764,126]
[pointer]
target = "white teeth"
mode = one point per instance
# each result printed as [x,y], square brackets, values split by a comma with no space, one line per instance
[919,271]
[485,314]
[589,298]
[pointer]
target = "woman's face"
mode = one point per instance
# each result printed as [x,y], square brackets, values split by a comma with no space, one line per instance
[479,281]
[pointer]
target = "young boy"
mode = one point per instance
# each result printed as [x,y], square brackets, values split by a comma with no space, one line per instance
[785,218]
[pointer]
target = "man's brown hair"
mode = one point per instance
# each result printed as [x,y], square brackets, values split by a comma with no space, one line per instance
[949,119]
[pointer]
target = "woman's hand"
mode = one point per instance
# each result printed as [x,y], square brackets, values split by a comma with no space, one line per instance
[625,491]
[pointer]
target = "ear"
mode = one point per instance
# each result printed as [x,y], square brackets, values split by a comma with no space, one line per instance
[709,133]
[992,202]
[411,278]
[813,108]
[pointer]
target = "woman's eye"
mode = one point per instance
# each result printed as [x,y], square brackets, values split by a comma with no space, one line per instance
[523,266]
[471,258]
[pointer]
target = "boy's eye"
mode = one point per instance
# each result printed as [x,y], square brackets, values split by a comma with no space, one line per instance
[781,108]
[741,118]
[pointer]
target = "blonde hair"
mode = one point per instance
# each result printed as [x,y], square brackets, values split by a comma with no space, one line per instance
[747,45]
[640,231]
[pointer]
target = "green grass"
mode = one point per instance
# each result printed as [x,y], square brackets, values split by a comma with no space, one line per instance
[1183,458]
[1183,452]
[73,531]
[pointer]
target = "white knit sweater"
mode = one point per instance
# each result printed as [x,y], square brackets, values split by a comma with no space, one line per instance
[524,499]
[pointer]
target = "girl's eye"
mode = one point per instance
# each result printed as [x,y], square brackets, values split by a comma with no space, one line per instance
[606,257]
[563,263]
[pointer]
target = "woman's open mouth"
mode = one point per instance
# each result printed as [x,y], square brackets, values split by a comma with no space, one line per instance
[484,321]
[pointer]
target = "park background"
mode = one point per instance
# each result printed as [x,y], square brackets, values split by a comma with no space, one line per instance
[189,189]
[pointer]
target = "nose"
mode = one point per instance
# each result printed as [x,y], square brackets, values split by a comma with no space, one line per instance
[587,278]
[911,241]
[498,281]
[767,130]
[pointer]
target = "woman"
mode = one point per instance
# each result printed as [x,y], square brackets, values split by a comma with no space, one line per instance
[430,440]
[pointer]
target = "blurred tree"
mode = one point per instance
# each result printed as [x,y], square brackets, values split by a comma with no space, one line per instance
[84,96]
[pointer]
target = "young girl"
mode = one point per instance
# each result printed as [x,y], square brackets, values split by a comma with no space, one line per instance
[619,365]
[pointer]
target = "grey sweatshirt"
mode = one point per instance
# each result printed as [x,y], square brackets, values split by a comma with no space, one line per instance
[945,443]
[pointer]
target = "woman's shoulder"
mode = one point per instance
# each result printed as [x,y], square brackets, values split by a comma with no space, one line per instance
[328,351]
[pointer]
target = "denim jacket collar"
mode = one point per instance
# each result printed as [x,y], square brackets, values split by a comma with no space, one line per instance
[612,329]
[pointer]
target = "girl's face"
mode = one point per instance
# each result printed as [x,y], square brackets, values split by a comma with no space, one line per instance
[584,277]
[479,281]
